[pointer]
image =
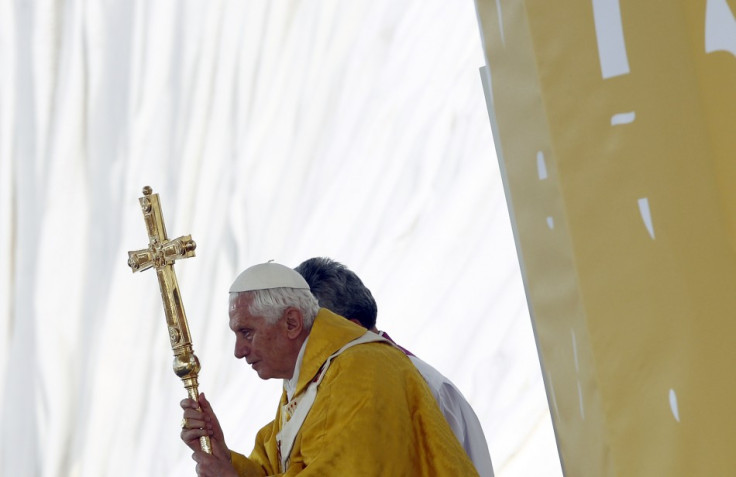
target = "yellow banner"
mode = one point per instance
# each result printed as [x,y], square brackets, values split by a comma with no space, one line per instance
[615,127]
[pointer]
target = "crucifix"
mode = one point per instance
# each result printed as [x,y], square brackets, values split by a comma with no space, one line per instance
[161,255]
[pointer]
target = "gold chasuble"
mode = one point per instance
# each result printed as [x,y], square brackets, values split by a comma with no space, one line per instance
[373,415]
[614,124]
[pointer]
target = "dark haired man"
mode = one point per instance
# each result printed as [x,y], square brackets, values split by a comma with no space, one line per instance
[340,290]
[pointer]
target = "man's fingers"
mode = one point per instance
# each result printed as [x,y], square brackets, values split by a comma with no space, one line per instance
[189,423]
[205,464]
[194,414]
[195,420]
[189,435]
[196,417]
[212,466]
[188,404]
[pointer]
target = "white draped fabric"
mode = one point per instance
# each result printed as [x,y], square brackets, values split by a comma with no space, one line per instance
[272,130]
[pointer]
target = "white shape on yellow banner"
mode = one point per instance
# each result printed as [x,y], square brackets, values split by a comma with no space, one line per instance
[541,166]
[720,27]
[623,118]
[580,399]
[673,405]
[500,22]
[610,35]
[646,215]
[553,396]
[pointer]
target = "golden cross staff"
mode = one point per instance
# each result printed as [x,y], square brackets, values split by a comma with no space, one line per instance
[161,254]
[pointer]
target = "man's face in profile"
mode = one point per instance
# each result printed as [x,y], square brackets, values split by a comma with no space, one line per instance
[263,345]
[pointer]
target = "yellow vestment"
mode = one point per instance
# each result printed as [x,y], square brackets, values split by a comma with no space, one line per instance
[373,415]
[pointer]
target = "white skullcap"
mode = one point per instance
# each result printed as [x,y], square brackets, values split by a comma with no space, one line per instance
[268,275]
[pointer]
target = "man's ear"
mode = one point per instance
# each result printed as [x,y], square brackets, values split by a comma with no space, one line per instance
[294,321]
[357,322]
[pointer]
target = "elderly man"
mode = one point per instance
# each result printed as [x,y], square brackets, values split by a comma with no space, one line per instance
[341,291]
[353,404]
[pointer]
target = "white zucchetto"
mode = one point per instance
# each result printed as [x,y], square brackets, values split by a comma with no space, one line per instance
[268,275]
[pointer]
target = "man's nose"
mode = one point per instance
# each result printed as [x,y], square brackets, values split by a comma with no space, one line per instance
[242,349]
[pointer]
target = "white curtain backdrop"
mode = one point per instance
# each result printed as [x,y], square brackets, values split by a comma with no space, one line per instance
[272,130]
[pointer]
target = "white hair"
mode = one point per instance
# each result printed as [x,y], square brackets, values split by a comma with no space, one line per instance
[271,303]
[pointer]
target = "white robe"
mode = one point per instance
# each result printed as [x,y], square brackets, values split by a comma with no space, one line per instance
[458,413]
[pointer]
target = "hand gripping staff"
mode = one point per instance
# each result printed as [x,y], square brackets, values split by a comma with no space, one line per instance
[161,254]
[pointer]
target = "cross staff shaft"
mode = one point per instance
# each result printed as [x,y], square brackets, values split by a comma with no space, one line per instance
[161,255]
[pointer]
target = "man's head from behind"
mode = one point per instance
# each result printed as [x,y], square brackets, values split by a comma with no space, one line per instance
[339,290]
[271,313]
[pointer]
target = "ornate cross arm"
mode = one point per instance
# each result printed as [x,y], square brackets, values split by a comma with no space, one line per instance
[161,255]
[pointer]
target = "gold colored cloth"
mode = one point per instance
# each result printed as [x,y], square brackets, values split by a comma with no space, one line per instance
[374,415]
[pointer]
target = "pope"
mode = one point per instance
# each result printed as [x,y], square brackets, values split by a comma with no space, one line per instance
[353,403]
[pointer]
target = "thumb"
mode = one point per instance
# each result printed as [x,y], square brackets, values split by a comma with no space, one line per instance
[206,408]
[204,403]
[220,451]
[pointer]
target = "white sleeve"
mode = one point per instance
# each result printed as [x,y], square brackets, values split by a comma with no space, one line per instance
[459,415]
